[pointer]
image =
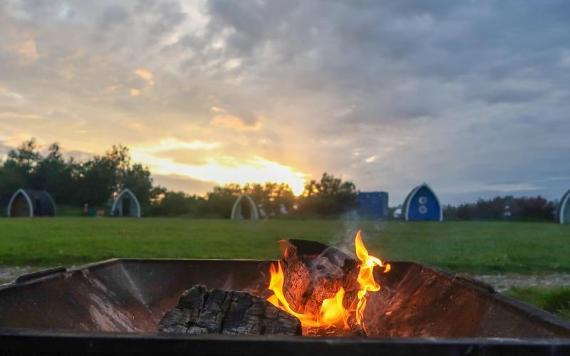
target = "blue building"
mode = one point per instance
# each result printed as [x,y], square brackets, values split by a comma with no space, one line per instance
[373,205]
[422,205]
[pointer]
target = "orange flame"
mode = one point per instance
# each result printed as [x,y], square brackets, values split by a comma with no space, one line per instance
[366,275]
[332,311]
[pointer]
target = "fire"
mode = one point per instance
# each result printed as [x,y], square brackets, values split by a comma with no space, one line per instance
[332,311]
[366,275]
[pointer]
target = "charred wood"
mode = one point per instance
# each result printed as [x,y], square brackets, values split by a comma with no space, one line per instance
[201,311]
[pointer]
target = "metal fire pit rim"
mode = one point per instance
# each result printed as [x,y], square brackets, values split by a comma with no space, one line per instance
[59,271]
[486,291]
[70,343]
[25,332]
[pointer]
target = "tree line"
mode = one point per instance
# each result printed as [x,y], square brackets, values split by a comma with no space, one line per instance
[328,197]
[504,208]
[71,182]
[94,181]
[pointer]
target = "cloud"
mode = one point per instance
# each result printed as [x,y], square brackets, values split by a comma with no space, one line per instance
[18,116]
[224,119]
[370,159]
[176,144]
[4,149]
[146,75]
[183,183]
[9,97]
[28,50]
[233,122]
[468,96]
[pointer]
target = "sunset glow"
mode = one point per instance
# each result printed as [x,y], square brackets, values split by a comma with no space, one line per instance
[217,168]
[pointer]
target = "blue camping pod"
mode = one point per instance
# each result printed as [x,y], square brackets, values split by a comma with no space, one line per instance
[422,205]
[563,213]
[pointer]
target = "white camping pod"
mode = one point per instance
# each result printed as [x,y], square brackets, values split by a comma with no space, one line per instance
[237,209]
[126,204]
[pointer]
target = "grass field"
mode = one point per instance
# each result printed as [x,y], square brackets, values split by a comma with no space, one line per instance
[554,300]
[478,247]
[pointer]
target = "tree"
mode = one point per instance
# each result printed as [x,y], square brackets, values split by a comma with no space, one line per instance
[272,197]
[172,204]
[327,197]
[138,179]
[96,181]
[100,176]
[26,155]
[18,167]
[221,200]
[54,174]
[507,207]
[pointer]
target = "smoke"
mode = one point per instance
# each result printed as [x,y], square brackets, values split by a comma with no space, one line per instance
[327,265]
[343,239]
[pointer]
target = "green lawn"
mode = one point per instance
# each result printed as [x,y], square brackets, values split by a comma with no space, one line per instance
[554,300]
[478,247]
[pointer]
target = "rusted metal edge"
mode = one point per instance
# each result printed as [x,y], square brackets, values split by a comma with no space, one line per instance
[40,274]
[25,342]
[488,292]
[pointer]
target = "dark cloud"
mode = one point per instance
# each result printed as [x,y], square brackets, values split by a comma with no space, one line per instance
[470,96]
[114,15]
[182,183]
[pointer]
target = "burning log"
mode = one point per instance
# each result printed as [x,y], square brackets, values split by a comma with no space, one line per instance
[319,285]
[315,272]
[326,289]
[201,311]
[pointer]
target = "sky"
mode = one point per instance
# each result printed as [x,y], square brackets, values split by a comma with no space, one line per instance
[469,96]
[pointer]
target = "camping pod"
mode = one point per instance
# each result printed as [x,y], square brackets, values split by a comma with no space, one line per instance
[244,208]
[373,205]
[29,203]
[563,214]
[126,204]
[422,205]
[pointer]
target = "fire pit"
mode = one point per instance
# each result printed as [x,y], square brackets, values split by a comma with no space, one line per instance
[115,307]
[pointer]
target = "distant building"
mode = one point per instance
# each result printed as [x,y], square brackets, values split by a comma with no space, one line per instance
[373,205]
[507,214]
[563,213]
[29,203]
[397,213]
[422,205]
[126,204]
[244,208]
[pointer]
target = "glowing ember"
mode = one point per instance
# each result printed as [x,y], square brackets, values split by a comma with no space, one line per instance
[332,310]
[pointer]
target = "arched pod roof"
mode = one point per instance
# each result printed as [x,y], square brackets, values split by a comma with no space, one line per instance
[117,207]
[37,203]
[422,204]
[236,209]
[563,212]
